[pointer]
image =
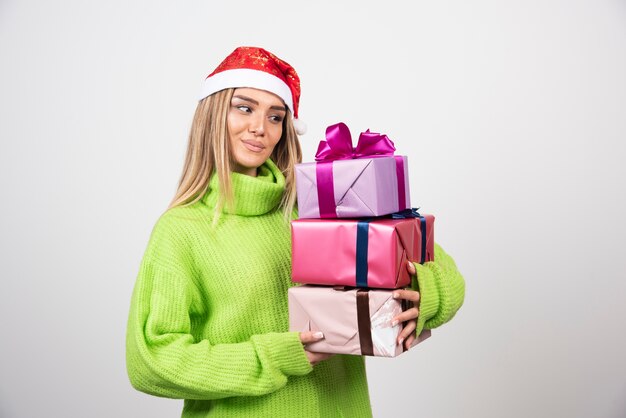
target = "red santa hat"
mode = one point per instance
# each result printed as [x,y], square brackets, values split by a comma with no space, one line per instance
[257,68]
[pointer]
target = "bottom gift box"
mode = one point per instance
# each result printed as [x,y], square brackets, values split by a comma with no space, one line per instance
[353,320]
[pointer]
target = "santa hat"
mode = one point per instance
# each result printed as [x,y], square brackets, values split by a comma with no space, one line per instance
[257,68]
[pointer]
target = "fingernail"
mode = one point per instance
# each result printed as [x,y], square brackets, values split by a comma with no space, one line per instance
[396,295]
[394,323]
[400,341]
[318,335]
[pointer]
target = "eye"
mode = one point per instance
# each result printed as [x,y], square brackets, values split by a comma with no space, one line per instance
[276,118]
[244,108]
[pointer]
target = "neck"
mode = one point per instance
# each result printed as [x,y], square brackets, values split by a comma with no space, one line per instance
[245,170]
[252,195]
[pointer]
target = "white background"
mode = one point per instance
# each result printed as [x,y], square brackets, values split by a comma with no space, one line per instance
[512,113]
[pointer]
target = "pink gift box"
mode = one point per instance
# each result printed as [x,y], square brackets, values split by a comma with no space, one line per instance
[354,321]
[360,253]
[353,187]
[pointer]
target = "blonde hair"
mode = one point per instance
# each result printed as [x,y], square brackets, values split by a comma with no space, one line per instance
[208,152]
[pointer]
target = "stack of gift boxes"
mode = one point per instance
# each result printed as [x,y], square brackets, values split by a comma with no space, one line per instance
[351,244]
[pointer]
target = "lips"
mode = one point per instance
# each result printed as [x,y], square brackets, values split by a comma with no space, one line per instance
[254,146]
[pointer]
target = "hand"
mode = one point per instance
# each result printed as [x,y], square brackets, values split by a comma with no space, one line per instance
[407,335]
[311,337]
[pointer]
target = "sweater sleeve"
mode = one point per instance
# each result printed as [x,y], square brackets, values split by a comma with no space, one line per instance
[442,290]
[164,358]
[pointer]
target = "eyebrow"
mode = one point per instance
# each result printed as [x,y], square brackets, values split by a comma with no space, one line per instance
[248,99]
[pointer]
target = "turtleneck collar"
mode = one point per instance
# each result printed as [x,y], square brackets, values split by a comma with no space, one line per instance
[252,195]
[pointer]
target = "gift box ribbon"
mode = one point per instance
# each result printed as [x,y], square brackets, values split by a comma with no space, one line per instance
[338,146]
[364,322]
[362,243]
[413,213]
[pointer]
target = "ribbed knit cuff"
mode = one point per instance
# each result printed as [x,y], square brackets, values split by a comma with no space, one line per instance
[429,295]
[286,353]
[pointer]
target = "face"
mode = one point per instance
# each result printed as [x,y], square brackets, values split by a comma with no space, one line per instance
[255,123]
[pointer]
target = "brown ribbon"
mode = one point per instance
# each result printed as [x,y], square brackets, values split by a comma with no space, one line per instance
[406,305]
[364,322]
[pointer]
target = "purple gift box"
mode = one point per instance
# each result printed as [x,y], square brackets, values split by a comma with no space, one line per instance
[348,182]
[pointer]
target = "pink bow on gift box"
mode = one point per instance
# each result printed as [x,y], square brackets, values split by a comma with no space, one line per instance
[338,144]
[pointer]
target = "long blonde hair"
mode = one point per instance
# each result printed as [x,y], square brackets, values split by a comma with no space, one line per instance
[208,152]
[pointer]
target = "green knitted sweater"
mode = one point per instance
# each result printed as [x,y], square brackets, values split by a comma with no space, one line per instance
[208,319]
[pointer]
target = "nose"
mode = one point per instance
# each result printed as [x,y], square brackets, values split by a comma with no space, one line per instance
[257,125]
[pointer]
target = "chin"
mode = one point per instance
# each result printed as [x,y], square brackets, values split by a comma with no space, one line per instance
[254,162]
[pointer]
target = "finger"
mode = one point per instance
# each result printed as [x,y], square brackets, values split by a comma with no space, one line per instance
[407,294]
[406,331]
[410,267]
[311,336]
[407,315]
[409,341]
[315,358]
[324,356]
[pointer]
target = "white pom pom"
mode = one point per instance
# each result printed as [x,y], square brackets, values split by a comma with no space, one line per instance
[299,126]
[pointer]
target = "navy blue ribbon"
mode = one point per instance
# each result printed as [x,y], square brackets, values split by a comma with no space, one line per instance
[362,232]
[406,213]
[413,213]
[423,231]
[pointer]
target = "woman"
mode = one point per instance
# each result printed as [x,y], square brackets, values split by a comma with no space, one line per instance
[209,319]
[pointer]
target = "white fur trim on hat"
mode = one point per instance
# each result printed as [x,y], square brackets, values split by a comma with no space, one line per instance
[299,126]
[244,77]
